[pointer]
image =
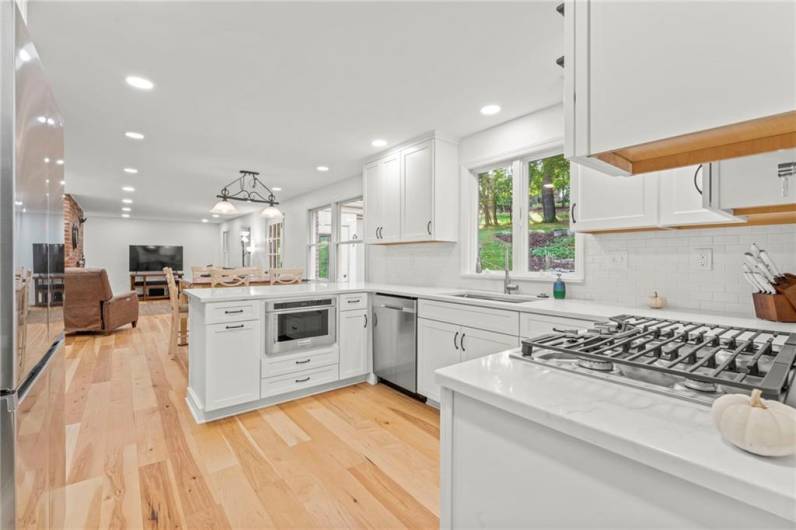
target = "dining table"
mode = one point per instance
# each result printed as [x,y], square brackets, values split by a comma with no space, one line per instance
[205,282]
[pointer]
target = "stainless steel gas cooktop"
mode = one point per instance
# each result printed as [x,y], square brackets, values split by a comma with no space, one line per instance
[689,360]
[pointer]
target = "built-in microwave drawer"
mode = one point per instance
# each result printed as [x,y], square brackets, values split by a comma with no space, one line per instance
[283,384]
[232,311]
[353,301]
[285,364]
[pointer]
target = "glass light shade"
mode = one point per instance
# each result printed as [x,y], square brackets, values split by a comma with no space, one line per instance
[271,212]
[224,207]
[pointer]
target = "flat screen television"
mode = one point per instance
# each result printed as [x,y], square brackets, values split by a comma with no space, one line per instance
[48,258]
[148,258]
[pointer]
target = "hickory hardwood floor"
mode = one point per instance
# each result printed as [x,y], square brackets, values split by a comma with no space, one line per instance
[363,456]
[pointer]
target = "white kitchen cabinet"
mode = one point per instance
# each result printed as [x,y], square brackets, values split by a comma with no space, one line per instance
[382,191]
[603,202]
[639,72]
[411,193]
[685,198]
[754,181]
[232,363]
[441,344]
[353,341]
[437,347]
[533,325]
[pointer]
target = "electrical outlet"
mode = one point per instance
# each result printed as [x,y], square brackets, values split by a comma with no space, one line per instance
[702,259]
[618,260]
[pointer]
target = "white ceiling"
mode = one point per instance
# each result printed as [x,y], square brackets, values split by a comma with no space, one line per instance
[277,88]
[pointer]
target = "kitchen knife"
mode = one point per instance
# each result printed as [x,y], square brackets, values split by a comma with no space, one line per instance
[757,266]
[756,278]
[751,281]
[765,284]
[763,256]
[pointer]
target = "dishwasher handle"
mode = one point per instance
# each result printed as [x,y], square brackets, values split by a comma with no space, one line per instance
[397,308]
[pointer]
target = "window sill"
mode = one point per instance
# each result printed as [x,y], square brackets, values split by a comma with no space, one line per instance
[526,277]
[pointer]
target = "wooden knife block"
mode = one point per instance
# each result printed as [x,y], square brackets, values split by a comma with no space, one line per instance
[780,307]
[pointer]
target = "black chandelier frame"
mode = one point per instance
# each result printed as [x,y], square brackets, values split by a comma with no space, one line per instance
[248,190]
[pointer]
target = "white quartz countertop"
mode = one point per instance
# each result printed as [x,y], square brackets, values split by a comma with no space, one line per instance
[583,309]
[666,433]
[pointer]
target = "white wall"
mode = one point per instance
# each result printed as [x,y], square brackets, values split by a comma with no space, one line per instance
[656,260]
[107,240]
[296,224]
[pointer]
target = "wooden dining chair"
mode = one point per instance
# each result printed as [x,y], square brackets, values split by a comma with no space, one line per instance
[285,276]
[179,315]
[229,277]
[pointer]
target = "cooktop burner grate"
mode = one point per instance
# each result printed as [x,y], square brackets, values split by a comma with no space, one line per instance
[700,357]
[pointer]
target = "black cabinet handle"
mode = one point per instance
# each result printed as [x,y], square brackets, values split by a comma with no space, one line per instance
[303,380]
[366,321]
[560,61]
[572,215]
[428,228]
[461,341]
[304,361]
[227,312]
[696,176]
[454,340]
[235,327]
[560,9]
[355,301]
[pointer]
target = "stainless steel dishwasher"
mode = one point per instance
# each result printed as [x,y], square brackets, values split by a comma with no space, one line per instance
[395,340]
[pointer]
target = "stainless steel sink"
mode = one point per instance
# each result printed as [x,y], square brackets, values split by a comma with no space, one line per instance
[509,298]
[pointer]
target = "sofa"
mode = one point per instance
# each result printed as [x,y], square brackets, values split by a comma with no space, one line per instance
[89,303]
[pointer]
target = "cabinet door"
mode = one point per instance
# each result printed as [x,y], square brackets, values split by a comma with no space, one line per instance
[437,347]
[390,203]
[754,180]
[604,202]
[233,363]
[682,200]
[353,343]
[662,69]
[417,198]
[475,343]
[374,209]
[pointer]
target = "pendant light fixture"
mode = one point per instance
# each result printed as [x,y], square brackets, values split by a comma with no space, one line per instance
[248,189]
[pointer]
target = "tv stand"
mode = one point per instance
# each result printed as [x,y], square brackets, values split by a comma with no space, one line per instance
[152,285]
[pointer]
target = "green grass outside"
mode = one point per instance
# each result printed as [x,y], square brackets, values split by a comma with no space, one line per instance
[493,249]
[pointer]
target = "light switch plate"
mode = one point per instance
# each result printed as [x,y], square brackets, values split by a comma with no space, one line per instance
[618,260]
[702,259]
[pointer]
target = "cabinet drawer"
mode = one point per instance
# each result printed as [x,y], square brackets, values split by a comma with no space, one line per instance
[285,364]
[273,386]
[353,301]
[232,311]
[498,320]
[532,325]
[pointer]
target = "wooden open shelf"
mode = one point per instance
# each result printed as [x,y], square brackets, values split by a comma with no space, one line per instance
[151,285]
[739,139]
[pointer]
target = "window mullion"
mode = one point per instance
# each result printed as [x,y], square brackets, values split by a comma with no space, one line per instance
[519,216]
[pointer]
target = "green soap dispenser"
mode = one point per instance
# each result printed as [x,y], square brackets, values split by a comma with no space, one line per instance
[559,288]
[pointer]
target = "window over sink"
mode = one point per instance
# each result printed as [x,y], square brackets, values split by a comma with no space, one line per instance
[523,208]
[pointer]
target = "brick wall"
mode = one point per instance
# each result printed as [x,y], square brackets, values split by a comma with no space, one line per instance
[73,256]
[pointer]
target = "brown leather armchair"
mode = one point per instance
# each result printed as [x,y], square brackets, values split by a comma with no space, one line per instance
[89,304]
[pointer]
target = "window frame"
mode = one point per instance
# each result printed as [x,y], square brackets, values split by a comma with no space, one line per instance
[334,239]
[337,217]
[311,244]
[519,190]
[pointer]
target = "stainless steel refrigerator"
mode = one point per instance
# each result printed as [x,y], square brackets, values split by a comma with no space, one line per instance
[32,380]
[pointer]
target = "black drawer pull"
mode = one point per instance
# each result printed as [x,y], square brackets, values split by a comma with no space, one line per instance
[303,362]
[303,380]
[227,312]
[353,301]
[235,327]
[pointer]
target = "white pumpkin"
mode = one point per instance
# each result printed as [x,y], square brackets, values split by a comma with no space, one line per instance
[760,426]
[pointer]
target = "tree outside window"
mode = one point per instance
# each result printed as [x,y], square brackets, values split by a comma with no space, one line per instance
[495,217]
[551,245]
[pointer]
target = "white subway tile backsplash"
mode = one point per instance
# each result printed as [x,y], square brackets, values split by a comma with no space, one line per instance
[656,261]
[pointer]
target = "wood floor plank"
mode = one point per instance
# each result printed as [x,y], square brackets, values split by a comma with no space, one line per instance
[364,456]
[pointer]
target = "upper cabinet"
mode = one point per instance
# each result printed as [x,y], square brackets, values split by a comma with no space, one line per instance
[658,85]
[411,193]
[758,181]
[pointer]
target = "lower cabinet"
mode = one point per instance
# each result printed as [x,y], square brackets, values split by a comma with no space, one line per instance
[353,341]
[233,363]
[441,344]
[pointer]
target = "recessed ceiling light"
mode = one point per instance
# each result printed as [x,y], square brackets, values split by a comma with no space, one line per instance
[126,209]
[276,188]
[204,220]
[130,170]
[126,215]
[490,110]
[134,135]
[378,142]
[322,169]
[127,201]
[140,83]
[59,162]
[24,56]
[128,189]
